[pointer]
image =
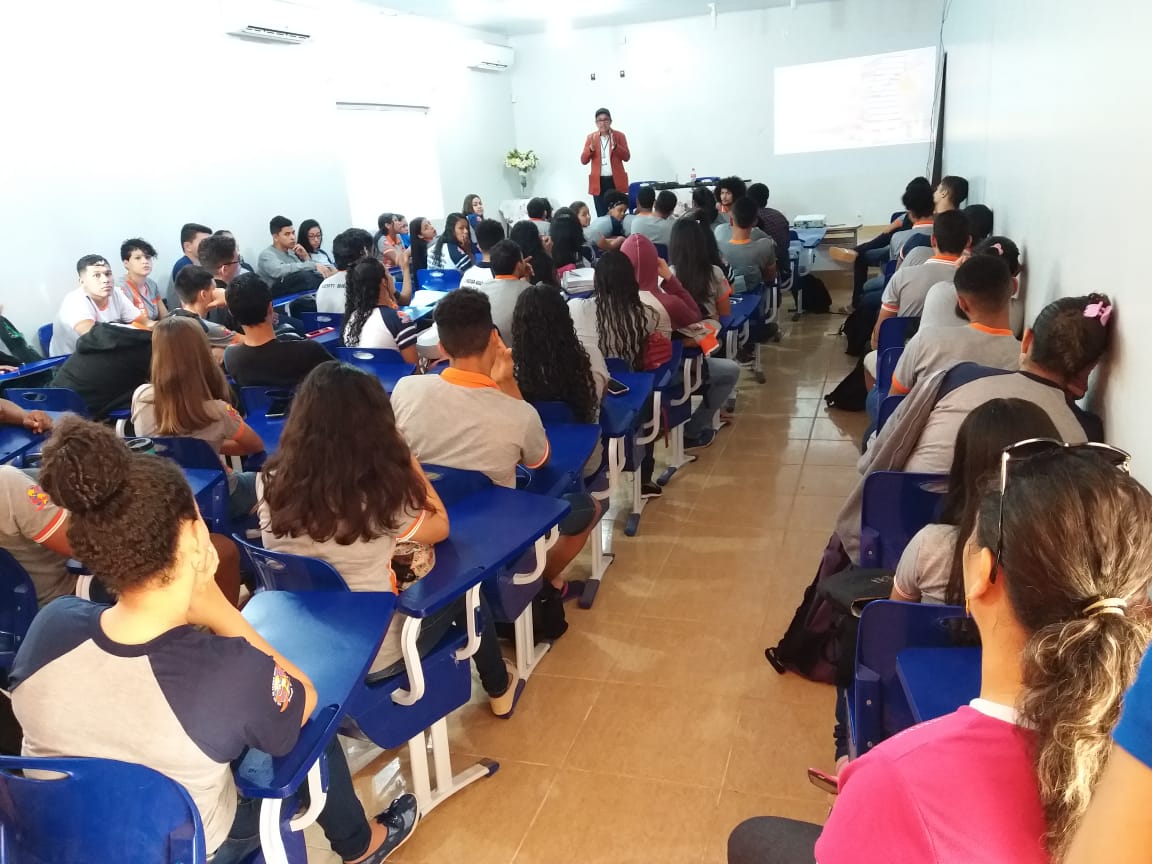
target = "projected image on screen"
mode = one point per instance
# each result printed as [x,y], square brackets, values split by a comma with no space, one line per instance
[880,100]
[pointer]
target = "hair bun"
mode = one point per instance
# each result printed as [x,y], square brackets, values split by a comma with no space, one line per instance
[85,465]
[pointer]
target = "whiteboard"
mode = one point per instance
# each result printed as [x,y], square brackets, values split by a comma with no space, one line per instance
[878,100]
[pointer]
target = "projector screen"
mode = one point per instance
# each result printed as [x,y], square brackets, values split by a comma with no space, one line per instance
[872,101]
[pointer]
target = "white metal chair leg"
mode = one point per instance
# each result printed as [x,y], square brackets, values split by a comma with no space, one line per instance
[528,653]
[447,783]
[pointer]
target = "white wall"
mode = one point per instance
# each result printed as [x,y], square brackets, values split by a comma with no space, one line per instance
[694,97]
[130,117]
[1045,115]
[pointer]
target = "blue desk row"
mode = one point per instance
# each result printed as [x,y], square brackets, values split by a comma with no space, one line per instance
[31,369]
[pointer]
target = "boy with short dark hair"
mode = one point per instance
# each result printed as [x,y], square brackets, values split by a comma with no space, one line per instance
[540,212]
[196,288]
[261,360]
[348,247]
[473,417]
[753,260]
[96,300]
[488,233]
[137,284]
[286,265]
[509,280]
[649,220]
[607,232]
[775,224]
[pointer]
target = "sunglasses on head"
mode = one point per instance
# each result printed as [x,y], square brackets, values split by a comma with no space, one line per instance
[1033,447]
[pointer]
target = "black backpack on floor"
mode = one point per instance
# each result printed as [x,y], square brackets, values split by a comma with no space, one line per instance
[851,394]
[816,298]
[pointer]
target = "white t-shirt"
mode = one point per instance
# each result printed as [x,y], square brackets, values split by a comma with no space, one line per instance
[330,296]
[475,277]
[78,306]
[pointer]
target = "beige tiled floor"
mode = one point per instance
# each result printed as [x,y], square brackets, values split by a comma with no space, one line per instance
[656,725]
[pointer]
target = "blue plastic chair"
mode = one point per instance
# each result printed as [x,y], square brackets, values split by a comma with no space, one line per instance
[439,280]
[17,609]
[53,399]
[897,214]
[894,332]
[367,356]
[889,270]
[886,365]
[895,506]
[633,188]
[662,250]
[205,474]
[877,706]
[44,337]
[887,409]
[314,321]
[99,810]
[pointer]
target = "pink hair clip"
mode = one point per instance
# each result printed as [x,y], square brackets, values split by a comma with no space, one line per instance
[1101,310]
[998,248]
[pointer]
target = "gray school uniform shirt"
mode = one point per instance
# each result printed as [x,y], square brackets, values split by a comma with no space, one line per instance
[936,348]
[748,261]
[655,228]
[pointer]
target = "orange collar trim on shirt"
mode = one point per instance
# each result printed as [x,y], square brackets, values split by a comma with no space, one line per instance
[991,331]
[473,380]
[922,223]
[512,278]
[944,256]
[740,242]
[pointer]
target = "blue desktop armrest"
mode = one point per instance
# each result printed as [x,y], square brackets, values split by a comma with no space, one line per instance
[571,445]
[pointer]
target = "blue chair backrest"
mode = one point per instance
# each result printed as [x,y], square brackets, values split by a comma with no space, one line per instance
[279,571]
[367,356]
[554,412]
[44,336]
[887,627]
[886,365]
[894,332]
[406,239]
[17,608]
[889,269]
[188,452]
[439,280]
[895,506]
[99,810]
[314,321]
[454,484]
[887,409]
[662,250]
[267,401]
[792,235]
[898,214]
[47,399]
[633,188]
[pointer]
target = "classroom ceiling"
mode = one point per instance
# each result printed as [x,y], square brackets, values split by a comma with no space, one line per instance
[535,16]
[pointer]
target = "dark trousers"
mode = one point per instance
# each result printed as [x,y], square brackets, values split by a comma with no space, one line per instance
[607,184]
[773,840]
[342,818]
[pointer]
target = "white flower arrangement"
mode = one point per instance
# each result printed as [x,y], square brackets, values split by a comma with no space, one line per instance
[522,161]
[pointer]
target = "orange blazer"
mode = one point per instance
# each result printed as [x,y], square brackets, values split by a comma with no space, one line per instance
[618,154]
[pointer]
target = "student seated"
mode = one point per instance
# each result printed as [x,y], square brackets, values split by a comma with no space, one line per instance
[653,216]
[980,223]
[583,214]
[197,289]
[617,323]
[983,293]
[1063,624]
[906,291]
[262,360]
[348,247]
[540,213]
[423,236]
[473,417]
[753,261]
[199,684]
[659,287]
[776,225]
[14,348]
[692,263]
[606,232]
[371,495]
[312,239]
[109,363]
[453,248]
[192,234]
[728,191]
[569,251]
[240,262]
[387,242]
[473,210]
[511,275]
[941,306]
[488,233]
[188,397]
[137,284]
[96,300]
[285,265]
[220,256]
[929,570]
[371,318]
[535,249]
[949,194]
[552,365]
[34,530]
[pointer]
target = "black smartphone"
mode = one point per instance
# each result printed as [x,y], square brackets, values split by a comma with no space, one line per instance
[616,388]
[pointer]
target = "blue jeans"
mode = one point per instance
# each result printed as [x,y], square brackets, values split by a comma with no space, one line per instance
[342,818]
[722,377]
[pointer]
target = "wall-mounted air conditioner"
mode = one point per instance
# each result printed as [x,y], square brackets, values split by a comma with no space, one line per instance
[489,57]
[265,21]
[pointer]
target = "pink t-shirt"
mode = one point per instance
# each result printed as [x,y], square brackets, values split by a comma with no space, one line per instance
[957,790]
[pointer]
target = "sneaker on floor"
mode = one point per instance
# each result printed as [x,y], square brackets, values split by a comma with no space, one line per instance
[844,256]
[844,310]
[704,439]
[651,490]
[400,819]
[573,590]
[503,704]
